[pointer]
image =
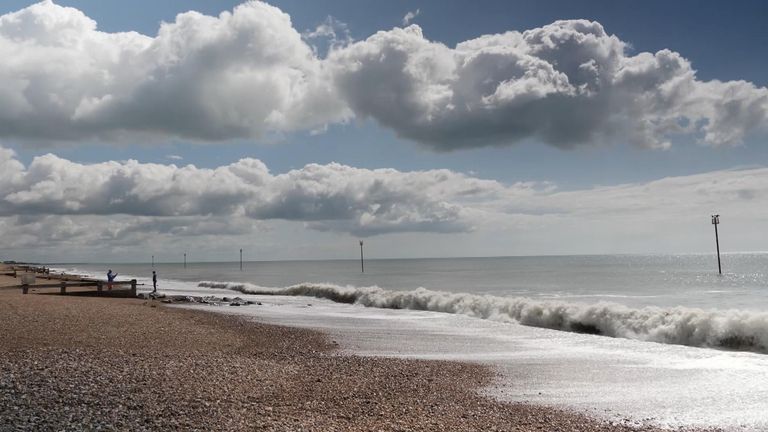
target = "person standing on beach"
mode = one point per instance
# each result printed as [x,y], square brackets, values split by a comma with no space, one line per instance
[110,278]
[154,281]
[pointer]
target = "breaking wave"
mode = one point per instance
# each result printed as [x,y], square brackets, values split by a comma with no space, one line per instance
[731,329]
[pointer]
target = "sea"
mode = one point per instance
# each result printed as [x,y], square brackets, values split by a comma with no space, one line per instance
[640,339]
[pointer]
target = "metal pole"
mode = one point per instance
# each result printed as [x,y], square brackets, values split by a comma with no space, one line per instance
[362,263]
[241,260]
[716,222]
[185,260]
[717,243]
[153,260]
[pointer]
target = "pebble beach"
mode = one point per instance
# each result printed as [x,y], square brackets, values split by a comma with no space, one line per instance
[91,363]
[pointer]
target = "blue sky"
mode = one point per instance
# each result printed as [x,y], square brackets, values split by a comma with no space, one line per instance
[722,43]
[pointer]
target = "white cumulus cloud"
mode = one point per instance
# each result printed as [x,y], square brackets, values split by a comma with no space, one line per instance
[241,74]
[248,72]
[566,83]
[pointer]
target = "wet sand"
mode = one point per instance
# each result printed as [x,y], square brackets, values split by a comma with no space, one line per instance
[86,363]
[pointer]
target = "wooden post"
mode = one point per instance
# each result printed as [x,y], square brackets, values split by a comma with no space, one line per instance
[24,288]
[63,287]
[98,287]
[716,222]
[133,287]
[362,264]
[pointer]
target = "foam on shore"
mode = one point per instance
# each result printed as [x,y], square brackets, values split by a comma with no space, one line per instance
[729,329]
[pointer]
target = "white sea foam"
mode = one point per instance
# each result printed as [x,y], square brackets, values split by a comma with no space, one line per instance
[730,329]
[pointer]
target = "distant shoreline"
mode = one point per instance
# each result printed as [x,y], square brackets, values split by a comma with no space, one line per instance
[372,258]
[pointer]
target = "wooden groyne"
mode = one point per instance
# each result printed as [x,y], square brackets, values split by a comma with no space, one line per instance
[63,285]
[29,278]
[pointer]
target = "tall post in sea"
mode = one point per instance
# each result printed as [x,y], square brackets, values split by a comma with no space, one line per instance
[185,260]
[716,222]
[362,263]
[153,260]
[241,260]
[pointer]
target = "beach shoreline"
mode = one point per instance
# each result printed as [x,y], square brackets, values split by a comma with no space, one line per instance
[73,362]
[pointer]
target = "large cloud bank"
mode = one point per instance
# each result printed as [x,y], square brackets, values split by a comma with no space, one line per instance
[54,200]
[249,72]
[327,197]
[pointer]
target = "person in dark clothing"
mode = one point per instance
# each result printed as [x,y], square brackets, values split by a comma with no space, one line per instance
[154,281]
[110,278]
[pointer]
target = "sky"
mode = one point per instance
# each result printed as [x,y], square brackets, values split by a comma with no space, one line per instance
[436,128]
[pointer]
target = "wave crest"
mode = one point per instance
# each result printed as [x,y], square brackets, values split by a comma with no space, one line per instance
[731,329]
